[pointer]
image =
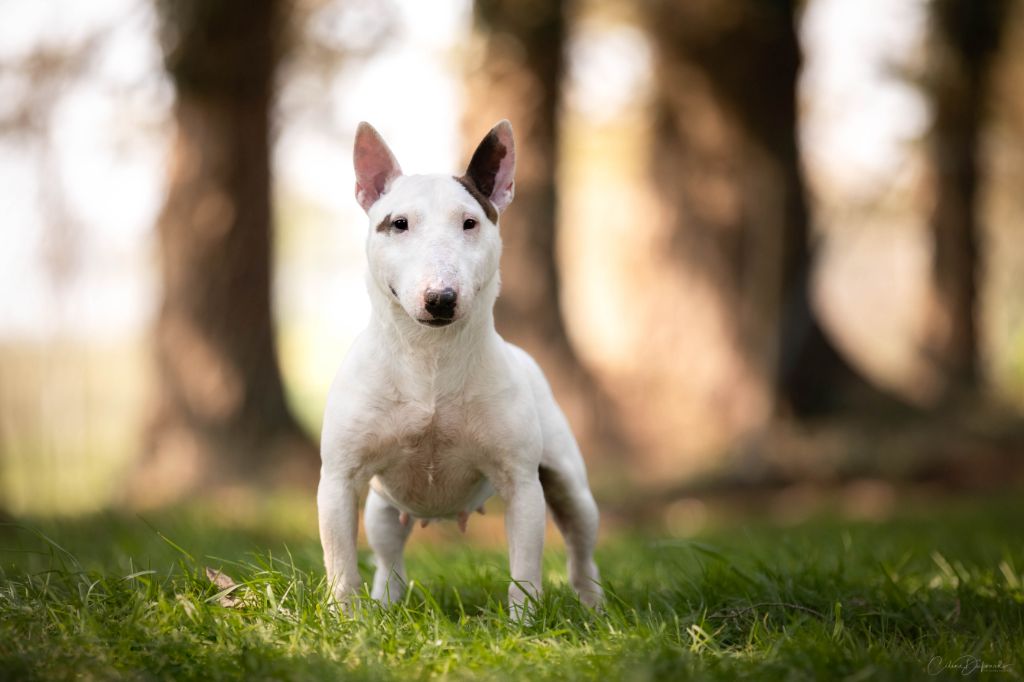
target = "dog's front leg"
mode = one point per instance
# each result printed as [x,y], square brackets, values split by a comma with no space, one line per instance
[524,525]
[337,504]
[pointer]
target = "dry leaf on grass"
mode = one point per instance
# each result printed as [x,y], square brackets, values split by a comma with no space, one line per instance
[227,586]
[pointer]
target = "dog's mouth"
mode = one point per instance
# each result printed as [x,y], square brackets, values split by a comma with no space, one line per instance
[437,321]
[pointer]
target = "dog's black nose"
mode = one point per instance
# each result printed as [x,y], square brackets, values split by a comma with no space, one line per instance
[441,302]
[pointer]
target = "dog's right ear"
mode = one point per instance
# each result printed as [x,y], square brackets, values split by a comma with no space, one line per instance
[375,165]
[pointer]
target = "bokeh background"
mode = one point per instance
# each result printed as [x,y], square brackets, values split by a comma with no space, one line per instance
[755,245]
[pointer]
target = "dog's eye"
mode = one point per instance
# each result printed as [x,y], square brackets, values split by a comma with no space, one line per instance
[469,224]
[400,224]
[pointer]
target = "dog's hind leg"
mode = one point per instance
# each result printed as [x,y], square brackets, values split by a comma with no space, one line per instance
[571,503]
[563,476]
[387,535]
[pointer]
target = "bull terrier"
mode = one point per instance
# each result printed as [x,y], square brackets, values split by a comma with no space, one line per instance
[431,407]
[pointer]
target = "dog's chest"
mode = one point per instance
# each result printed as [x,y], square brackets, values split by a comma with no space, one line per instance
[431,456]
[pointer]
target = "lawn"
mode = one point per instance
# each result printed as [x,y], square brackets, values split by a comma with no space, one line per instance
[933,592]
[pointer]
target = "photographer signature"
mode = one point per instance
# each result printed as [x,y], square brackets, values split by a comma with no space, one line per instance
[965,665]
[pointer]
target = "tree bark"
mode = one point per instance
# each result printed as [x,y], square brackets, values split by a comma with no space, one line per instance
[726,161]
[222,413]
[520,78]
[965,37]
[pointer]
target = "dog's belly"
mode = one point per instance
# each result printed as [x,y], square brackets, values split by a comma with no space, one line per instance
[433,483]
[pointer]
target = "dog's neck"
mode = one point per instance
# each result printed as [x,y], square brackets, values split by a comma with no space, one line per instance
[441,358]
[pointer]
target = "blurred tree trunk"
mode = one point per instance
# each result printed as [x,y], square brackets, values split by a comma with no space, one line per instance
[965,37]
[520,78]
[725,159]
[222,413]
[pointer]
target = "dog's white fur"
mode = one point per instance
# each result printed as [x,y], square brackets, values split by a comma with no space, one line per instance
[437,419]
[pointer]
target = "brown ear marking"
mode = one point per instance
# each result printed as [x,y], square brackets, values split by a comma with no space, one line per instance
[385,224]
[483,167]
[489,210]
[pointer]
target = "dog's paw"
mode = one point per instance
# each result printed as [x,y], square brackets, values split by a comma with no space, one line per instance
[389,592]
[591,595]
[344,599]
[523,601]
[523,613]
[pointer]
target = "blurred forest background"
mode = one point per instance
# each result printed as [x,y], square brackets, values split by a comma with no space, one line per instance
[754,243]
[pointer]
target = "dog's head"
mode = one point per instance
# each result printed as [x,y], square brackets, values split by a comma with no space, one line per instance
[433,243]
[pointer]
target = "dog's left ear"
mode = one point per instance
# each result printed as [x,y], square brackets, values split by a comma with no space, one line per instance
[493,166]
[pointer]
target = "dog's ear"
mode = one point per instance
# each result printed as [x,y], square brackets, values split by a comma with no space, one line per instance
[375,165]
[493,166]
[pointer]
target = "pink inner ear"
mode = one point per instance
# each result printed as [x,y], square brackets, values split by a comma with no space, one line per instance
[504,178]
[502,195]
[375,166]
[506,170]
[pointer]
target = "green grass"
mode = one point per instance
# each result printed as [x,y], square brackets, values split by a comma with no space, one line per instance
[127,597]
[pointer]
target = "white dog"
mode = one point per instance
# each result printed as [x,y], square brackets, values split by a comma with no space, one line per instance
[431,407]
